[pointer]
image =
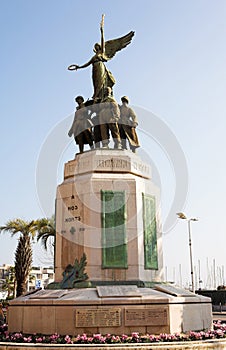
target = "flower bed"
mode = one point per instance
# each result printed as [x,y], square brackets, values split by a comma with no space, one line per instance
[219,331]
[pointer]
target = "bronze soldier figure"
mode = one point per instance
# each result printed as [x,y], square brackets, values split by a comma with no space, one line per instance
[108,117]
[127,125]
[81,127]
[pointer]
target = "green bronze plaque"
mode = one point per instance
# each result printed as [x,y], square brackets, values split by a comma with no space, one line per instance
[114,245]
[150,234]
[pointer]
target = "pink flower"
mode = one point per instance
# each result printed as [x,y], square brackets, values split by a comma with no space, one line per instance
[135,335]
[124,337]
[115,339]
[39,340]
[83,337]
[97,336]
[68,339]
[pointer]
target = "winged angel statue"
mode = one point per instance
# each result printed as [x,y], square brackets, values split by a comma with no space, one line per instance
[102,77]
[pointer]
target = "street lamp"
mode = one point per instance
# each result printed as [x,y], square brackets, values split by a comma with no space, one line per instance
[184,217]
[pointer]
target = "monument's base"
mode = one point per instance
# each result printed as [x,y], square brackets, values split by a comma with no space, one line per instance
[108,208]
[110,309]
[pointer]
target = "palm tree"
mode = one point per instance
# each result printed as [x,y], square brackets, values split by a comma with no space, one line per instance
[23,254]
[46,231]
[9,284]
[46,235]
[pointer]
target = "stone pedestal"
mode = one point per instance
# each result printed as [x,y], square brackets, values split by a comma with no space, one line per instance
[108,208]
[110,309]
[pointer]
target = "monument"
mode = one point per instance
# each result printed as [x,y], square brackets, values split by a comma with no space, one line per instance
[108,253]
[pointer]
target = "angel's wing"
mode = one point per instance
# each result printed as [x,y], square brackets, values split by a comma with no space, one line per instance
[112,46]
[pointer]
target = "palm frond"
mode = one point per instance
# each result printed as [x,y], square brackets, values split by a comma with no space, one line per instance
[15,226]
[46,229]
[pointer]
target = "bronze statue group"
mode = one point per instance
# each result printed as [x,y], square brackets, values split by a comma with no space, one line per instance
[94,120]
[93,123]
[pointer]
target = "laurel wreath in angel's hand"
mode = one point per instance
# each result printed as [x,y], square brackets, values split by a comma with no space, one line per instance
[110,48]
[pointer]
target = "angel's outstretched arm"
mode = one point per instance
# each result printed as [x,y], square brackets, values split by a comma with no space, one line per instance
[75,66]
[85,64]
[102,35]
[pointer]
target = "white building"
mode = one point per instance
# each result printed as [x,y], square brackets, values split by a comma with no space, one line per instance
[39,277]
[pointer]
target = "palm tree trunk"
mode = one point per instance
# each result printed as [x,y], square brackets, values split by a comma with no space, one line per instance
[21,288]
[23,261]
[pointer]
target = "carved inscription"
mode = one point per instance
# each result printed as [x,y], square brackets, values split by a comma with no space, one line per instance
[72,207]
[141,167]
[98,317]
[47,294]
[71,168]
[72,218]
[156,316]
[113,163]
[84,164]
[103,163]
[73,230]
[72,211]
[118,291]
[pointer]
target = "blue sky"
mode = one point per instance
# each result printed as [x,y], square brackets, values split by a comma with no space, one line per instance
[174,68]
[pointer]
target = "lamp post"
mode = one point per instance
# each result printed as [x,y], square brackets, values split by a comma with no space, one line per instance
[184,217]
